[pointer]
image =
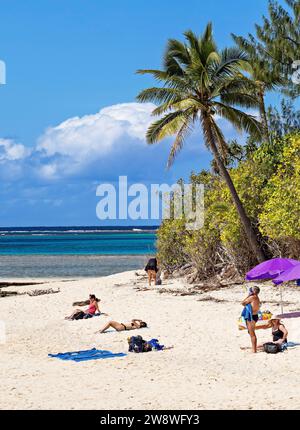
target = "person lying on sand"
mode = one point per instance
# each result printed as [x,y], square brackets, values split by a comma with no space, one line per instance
[89,312]
[133,325]
[252,318]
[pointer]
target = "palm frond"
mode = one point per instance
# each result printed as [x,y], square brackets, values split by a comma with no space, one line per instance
[159,75]
[232,61]
[177,52]
[180,104]
[243,100]
[159,95]
[240,120]
[181,137]
[166,126]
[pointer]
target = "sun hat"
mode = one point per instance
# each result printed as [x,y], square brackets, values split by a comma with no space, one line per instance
[275,318]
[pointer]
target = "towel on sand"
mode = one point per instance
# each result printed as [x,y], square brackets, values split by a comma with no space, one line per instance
[288,345]
[155,345]
[90,354]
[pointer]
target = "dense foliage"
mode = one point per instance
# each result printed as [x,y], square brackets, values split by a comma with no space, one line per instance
[268,182]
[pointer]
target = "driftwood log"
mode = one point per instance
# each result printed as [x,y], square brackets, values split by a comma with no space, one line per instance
[42,292]
[7,293]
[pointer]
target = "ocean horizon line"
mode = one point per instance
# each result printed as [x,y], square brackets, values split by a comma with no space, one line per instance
[77,229]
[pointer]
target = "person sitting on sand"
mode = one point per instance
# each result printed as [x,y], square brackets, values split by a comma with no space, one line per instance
[133,325]
[89,312]
[279,331]
[252,303]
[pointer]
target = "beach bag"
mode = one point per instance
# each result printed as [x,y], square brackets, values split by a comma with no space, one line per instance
[79,315]
[138,344]
[271,348]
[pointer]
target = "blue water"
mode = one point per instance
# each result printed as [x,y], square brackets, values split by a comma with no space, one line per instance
[78,244]
[73,251]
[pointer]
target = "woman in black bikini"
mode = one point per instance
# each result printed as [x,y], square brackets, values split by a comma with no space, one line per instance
[133,325]
[279,331]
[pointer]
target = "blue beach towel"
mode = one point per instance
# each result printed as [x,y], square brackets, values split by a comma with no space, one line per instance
[155,345]
[247,313]
[288,345]
[88,316]
[90,354]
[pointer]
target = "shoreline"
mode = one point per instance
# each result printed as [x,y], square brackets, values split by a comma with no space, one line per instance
[205,370]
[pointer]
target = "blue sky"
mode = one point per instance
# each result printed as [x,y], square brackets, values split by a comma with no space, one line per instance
[68,114]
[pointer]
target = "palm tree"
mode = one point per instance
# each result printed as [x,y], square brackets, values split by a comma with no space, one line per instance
[200,84]
[263,75]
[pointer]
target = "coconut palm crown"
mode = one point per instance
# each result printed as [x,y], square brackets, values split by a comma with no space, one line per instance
[199,84]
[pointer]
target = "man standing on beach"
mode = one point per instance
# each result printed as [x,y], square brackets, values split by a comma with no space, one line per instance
[251,308]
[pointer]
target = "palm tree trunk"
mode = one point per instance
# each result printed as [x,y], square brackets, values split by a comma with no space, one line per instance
[252,237]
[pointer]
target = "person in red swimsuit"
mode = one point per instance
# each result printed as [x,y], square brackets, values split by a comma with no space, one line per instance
[89,312]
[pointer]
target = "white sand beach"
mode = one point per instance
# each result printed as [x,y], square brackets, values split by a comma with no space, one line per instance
[206,369]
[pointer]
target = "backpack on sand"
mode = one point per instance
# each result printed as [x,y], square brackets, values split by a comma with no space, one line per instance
[79,315]
[138,344]
[271,348]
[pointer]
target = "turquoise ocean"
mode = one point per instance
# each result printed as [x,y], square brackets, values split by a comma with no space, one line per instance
[72,252]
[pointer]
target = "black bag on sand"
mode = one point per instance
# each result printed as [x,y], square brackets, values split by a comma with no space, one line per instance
[138,344]
[79,315]
[271,348]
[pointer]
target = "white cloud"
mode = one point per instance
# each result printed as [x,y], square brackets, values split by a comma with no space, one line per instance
[78,141]
[103,145]
[11,151]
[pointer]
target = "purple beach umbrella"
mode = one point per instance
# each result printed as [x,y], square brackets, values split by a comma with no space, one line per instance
[271,269]
[290,315]
[291,274]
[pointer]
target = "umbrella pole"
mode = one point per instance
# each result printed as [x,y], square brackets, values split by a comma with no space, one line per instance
[281,300]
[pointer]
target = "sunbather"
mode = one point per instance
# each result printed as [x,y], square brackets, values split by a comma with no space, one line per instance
[89,312]
[133,325]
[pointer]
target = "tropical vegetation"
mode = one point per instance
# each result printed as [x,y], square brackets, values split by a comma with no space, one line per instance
[252,191]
